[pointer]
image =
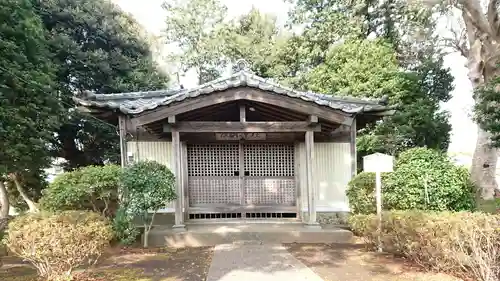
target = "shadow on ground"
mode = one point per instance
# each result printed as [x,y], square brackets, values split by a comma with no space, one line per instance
[189,264]
[351,262]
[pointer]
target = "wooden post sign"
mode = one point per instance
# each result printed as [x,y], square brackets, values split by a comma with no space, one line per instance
[378,163]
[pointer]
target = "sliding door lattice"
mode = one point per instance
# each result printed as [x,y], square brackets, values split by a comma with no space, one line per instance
[269,171]
[267,177]
[211,178]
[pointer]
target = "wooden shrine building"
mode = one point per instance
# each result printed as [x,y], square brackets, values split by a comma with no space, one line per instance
[243,147]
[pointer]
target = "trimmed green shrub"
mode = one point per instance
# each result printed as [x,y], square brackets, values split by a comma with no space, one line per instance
[149,186]
[361,193]
[426,179]
[55,244]
[93,188]
[423,179]
[124,229]
[463,242]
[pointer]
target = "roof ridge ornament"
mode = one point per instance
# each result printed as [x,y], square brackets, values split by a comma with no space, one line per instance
[241,65]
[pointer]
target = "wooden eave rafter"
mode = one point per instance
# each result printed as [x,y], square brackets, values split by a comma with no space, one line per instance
[239,94]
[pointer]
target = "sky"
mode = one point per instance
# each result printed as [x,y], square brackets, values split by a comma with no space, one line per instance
[150,14]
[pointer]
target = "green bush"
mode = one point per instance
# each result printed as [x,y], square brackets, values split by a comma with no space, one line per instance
[361,193]
[463,242]
[55,244]
[423,179]
[149,186]
[124,229]
[489,206]
[426,179]
[3,248]
[93,188]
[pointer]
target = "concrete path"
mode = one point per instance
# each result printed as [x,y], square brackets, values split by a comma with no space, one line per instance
[237,262]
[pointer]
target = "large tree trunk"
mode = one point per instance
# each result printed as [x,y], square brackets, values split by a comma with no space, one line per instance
[484,163]
[31,205]
[482,65]
[484,159]
[4,201]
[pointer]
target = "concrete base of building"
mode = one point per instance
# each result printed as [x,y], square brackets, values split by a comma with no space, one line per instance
[199,235]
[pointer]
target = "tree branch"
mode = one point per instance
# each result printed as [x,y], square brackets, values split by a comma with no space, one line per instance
[493,17]
[4,202]
[473,10]
[32,207]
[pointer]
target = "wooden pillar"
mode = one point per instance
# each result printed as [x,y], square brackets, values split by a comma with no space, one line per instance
[177,167]
[243,119]
[311,189]
[122,125]
[354,156]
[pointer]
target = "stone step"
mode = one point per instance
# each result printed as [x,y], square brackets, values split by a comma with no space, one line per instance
[198,235]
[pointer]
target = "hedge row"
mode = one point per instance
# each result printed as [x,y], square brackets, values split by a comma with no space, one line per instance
[460,242]
[423,179]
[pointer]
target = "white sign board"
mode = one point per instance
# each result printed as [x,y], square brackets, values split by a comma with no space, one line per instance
[378,162]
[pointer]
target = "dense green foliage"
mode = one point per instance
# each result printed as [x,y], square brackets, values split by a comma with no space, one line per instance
[29,108]
[361,193]
[256,38]
[457,242]
[486,109]
[92,188]
[367,68]
[51,51]
[101,49]
[55,244]
[356,48]
[124,230]
[426,179]
[423,179]
[149,186]
[192,26]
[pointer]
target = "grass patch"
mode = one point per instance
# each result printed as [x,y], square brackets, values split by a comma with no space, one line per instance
[489,206]
[113,274]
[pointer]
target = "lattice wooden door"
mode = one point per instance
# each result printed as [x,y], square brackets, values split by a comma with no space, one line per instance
[211,175]
[241,174]
[269,174]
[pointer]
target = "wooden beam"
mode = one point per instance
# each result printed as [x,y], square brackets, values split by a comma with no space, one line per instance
[260,96]
[122,124]
[241,174]
[171,119]
[311,189]
[211,112]
[313,119]
[354,157]
[185,179]
[177,167]
[259,107]
[238,127]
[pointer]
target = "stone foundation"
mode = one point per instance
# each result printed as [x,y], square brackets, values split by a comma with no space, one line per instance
[330,218]
[325,218]
[160,219]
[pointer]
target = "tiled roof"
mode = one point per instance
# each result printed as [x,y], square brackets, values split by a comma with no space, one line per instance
[138,102]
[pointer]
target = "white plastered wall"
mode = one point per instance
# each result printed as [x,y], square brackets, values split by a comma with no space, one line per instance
[331,173]
[159,151]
